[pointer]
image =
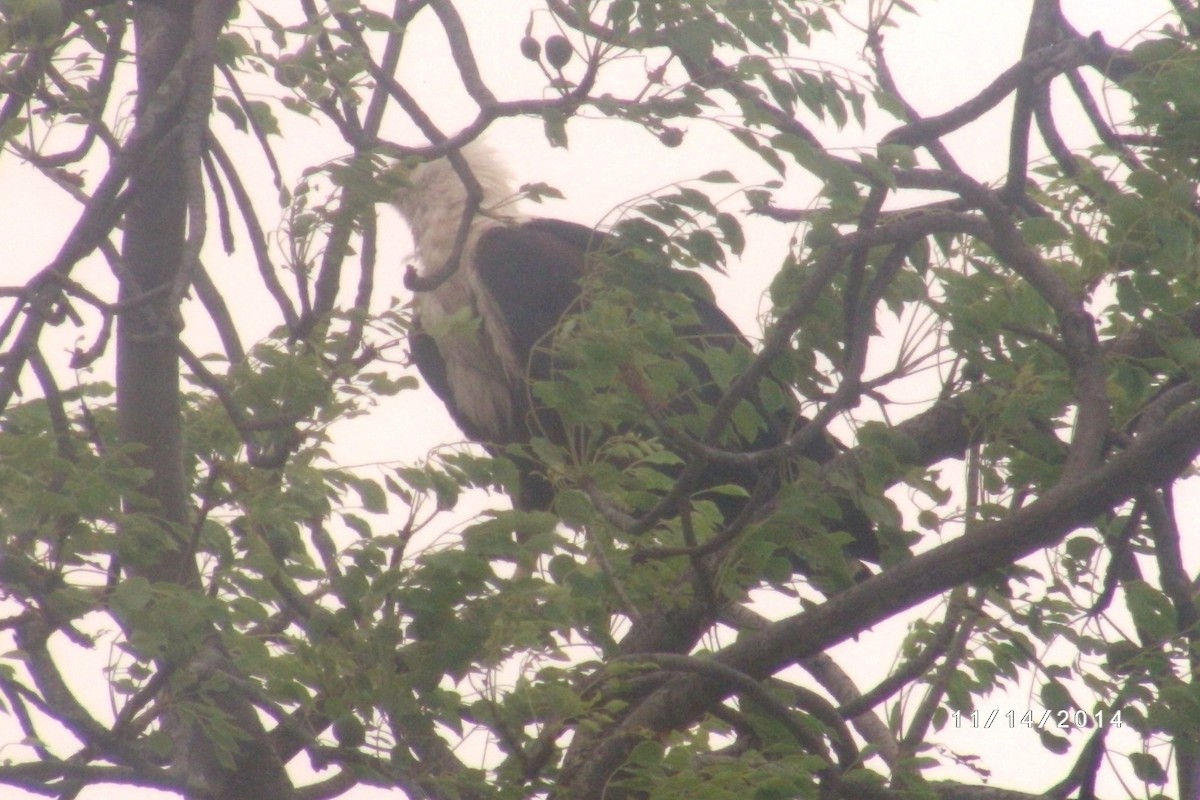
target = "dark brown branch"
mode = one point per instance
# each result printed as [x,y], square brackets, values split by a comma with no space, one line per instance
[244,424]
[1060,57]
[1176,584]
[222,202]
[841,686]
[345,116]
[734,681]
[1083,773]
[1075,324]
[252,120]
[153,130]
[64,707]
[1122,566]
[954,621]
[790,319]
[1042,32]
[63,441]
[258,240]
[366,288]
[1107,135]
[20,698]
[214,303]
[463,53]
[883,73]
[1187,12]
[967,612]
[1155,458]
[402,11]
[48,778]
[1058,148]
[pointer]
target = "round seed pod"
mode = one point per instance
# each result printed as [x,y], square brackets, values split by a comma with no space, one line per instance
[558,51]
[531,48]
[671,137]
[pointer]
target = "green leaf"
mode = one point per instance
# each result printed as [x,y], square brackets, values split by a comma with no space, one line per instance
[574,507]
[132,595]
[554,125]
[1081,547]
[718,176]
[1152,611]
[1055,697]
[1156,50]
[1053,742]
[731,232]
[372,495]
[900,155]
[646,754]
[264,117]
[1043,231]
[357,524]
[230,108]
[767,154]
[1147,768]
[694,40]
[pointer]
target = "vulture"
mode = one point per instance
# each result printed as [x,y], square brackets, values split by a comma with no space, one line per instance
[482,336]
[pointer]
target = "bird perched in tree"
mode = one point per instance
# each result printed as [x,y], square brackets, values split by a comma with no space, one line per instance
[483,326]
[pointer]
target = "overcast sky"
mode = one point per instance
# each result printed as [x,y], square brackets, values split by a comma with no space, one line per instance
[939,59]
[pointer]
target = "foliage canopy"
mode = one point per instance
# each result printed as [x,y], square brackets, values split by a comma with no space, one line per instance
[1011,362]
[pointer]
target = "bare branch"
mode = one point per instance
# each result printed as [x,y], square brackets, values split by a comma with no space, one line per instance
[1060,57]
[258,240]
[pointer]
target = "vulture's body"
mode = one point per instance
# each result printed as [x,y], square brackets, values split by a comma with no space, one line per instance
[481,336]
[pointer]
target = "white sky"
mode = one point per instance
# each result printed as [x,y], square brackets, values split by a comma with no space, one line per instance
[939,59]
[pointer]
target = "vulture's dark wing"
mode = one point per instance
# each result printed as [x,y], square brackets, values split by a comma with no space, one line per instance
[533,276]
[533,271]
[713,327]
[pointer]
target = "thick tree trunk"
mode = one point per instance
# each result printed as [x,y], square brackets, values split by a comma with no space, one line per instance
[148,394]
[174,46]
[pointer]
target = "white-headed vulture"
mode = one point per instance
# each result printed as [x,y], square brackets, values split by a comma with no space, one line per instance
[481,336]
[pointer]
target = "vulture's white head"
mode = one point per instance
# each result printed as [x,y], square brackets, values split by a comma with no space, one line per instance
[480,365]
[436,196]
